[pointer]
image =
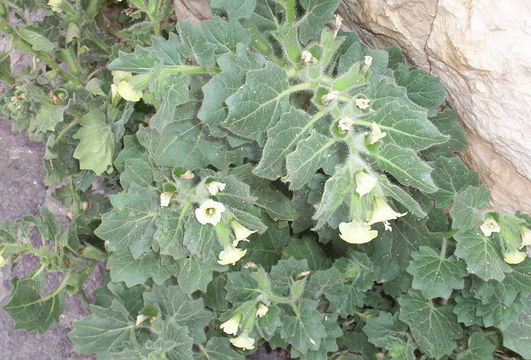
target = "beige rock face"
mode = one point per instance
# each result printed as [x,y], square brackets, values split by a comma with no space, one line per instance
[481,50]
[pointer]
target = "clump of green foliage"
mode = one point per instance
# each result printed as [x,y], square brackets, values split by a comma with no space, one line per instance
[273,180]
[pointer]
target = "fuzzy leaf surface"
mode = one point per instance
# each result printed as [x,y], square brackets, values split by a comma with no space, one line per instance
[434,328]
[436,276]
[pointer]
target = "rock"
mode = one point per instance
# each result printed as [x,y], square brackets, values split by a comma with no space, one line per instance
[480,50]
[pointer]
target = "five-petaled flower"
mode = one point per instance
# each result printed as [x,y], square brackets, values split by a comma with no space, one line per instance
[231,326]
[209,212]
[243,341]
[356,232]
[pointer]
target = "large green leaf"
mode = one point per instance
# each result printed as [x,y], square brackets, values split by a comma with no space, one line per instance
[406,167]
[235,9]
[282,139]
[451,176]
[259,103]
[310,155]
[465,211]
[482,255]
[219,348]
[479,348]
[447,124]
[336,189]
[211,39]
[435,275]
[104,329]
[187,144]
[434,328]
[96,143]
[387,332]
[423,89]
[234,69]
[304,329]
[405,126]
[123,267]
[318,13]
[517,336]
[131,223]
[29,310]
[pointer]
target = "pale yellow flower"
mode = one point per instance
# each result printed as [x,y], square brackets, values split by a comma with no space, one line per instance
[55,5]
[382,212]
[367,60]
[209,212]
[243,341]
[231,326]
[119,76]
[128,92]
[355,232]
[526,236]
[514,257]
[489,226]
[230,255]
[214,187]
[240,232]
[345,123]
[376,133]
[365,183]
[362,103]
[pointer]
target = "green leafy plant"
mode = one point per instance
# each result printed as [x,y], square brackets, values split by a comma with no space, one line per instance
[278,182]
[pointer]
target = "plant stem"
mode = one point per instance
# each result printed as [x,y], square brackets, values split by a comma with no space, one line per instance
[443,247]
[66,128]
[291,11]
[54,66]
[186,69]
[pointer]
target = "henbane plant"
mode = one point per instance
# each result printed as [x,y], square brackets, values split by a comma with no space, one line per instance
[281,182]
